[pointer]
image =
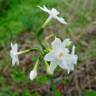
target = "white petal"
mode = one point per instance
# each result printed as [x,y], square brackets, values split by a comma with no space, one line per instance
[73,50]
[44,8]
[56,44]
[13,61]
[12,57]
[49,57]
[53,66]
[33,74]
[70,66]
[13,54]
[74,56]
[66,51]
[67,42]
[67,65]
[69,69]
[11,45]
[54,12]
[74,59]
[61,20]
[63,64]
[15,47]
[71,60]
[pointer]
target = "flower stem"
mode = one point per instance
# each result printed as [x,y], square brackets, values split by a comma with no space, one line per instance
[36,65]
[29,50]
[39,33]
[46,22]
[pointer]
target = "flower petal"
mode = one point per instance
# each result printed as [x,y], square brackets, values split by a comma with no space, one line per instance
[63,64]
[67,42]
[45,9]
[50,56]
[67,65]
[74,57]
[53,66]
[14,47]
[54,12]
[61,20]
[56,44]
[13,54]
[73,50]
[15,59]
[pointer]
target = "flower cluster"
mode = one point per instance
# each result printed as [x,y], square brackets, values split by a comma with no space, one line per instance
[58,55]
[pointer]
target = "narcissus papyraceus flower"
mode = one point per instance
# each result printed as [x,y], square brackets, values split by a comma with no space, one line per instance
[53,13]
[14,54]
[61,56]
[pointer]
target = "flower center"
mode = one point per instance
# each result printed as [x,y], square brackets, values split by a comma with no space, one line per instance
[60,55]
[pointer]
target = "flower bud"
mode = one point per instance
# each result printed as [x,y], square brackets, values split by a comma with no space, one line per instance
[33,74]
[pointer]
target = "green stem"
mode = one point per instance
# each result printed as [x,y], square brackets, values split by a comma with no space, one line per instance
[40,42]
[46,22]
[40,32]
[36,65]
[39,37]
[29,50]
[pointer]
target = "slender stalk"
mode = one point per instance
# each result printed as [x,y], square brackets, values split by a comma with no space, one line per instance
[40,32]
[36,65]
[29,50]
[46,22]
[40,43]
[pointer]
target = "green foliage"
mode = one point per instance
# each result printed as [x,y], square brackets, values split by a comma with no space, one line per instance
[42,79]
[2,79]
[4,5]
[20,17]
[18,76]
[26,93]
[90,93]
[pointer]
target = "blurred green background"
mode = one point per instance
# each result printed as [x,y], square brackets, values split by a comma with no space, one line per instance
[19,20]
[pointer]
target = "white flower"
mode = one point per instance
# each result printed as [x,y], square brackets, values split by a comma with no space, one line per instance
[60,55]
[53,13]
[13,54]
[33,74]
